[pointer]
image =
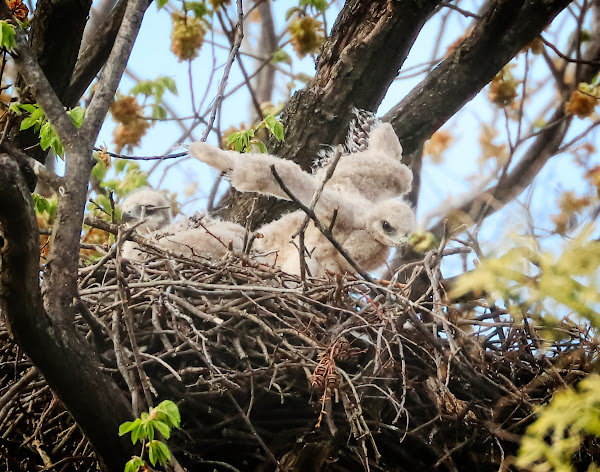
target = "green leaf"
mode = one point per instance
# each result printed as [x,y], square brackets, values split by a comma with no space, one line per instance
[280,56]
[240,140]
[172,413]
[49,139]
[137,433]
[37,117]
[7,36]
[99,171]
[128,426]
[40,203]
[319,5]
[120,164]
[275,127]
[149,430]
[562,427]
[168,413]
[144,87]
[198,8]
[28,123]
[259,144]
[161,3]
[134,464]
[162,428]
[290,12]
[18,108]
[168,83]
[159,112]
[158,452]
[77,114]
[47,135]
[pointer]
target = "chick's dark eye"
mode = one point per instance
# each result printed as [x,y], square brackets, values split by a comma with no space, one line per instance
[387,227]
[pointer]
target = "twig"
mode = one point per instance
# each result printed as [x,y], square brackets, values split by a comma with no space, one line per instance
[143,158]
[232,54]
[10,394]
[465,13]
[326,232]
[301,230]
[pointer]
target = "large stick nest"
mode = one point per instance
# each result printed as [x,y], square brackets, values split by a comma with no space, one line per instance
[336,374]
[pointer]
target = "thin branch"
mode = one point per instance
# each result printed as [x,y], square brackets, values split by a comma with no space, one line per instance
[565,57]
[239,28]
[326,231]
[21,384]
[143,158]
[463,12]
[252,429]
[330,169]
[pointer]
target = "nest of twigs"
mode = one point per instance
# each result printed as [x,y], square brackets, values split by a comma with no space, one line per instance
[270,371]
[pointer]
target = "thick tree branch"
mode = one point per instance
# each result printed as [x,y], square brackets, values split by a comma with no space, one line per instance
[57,29]
[506,27]
[267,44]
[98,15]
[48,334]
[55,36]
[61,269]
[96,53]
[545,145]
[368,44]
[113,70]
[45,95]
[28,165]
[65,360]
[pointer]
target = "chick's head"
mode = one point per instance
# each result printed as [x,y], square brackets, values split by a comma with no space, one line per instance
[149,206]
[391,222]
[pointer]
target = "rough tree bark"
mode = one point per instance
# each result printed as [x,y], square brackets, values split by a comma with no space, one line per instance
[58,352]
[56,47]
[46,332]
[368,45]
[359,62]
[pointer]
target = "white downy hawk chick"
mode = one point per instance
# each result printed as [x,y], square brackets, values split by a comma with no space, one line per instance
[366,229]
[368,240]
[203,236]
[199,234]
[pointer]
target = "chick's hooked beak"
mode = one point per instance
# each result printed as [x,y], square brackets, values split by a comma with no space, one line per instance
[400,240]
[128,216]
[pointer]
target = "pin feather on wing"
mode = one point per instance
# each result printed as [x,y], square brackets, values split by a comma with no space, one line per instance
[372,164]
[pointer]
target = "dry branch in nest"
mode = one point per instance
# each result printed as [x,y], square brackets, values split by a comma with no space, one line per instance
[269,372]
